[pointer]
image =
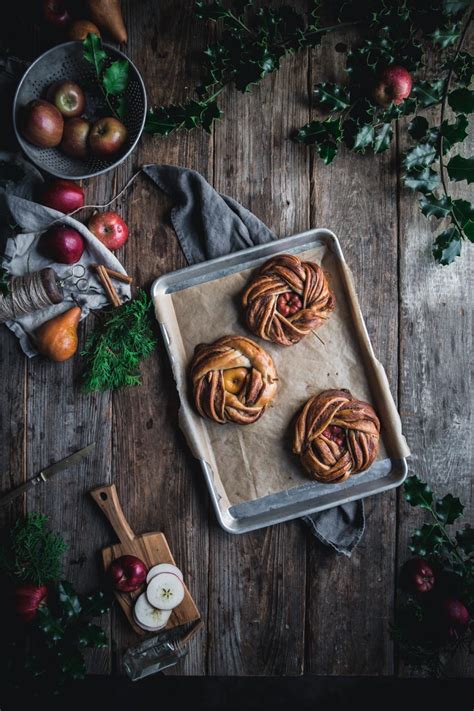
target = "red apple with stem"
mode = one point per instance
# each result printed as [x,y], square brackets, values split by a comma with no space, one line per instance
[127,573]
[393,86]
[107,137]
[75,138]
[109,228]
[67,97]
[42,124]
[63,195]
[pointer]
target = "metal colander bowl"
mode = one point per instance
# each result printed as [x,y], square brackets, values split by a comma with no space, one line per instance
[63,62]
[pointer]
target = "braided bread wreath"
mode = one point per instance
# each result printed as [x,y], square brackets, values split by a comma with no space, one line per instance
[336,436]
[234,379]
[286,299]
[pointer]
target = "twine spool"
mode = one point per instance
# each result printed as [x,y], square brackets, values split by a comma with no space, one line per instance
[30,292]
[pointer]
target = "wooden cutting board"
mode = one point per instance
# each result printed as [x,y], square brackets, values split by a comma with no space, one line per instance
[151,548]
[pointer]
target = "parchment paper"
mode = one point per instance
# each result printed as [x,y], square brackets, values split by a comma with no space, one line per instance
[256,460]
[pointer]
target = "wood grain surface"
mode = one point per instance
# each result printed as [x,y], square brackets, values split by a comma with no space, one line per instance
[274,602]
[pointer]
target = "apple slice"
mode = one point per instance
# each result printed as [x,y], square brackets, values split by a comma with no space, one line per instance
[165,591]
[148,617]
[163,568]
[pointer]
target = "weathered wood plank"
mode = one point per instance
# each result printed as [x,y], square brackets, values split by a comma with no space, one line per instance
[257,581]
[350,601]
[158,481]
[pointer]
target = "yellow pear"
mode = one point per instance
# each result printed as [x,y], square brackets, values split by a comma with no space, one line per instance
[57,338]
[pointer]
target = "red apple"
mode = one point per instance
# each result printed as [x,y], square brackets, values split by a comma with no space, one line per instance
[67,97]
[63,195]
[127,573]
[394,86]
[42,124]
[75,138]
[27,599]
[62,244]
[107,136]
[56,13]
[109,228]
[417,576]
[455,613]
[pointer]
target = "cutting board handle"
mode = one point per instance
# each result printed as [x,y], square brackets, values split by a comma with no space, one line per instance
[107,498]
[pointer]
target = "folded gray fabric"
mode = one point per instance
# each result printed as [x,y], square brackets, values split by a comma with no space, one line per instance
[210,225]
[21,255]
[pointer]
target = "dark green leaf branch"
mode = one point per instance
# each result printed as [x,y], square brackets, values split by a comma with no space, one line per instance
[112,77]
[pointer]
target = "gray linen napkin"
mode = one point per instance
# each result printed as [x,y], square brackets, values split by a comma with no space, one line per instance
[210,225]
[21,255]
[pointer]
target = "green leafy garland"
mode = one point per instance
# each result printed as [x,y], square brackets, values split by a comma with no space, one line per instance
[254,40]
[114,350]
[419,628]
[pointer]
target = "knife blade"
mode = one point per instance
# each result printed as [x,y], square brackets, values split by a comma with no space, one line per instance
[47,473]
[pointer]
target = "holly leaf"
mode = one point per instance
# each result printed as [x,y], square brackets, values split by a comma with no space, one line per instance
[461,100]
[464,214]
[447,246]
[460,168]
[434,206]
[465,539]
[448,509]
[418,128]
[316,132]
[93,52]
[428,93]
[332,97]
[69,601]
[418,493]
[72,664]
[210,114]
[395,111]
[363,138]
[49,625]
[327,151]
[115,77]
[95,604]
[426,540]
[455,7]
[383,137]
[209,11]
[92,636]
[420,156]
[454,132]
[463,67]
[425,180]
[446,36]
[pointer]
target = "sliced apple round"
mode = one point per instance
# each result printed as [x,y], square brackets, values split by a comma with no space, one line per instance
[165,591]
[163,568]
[148,617]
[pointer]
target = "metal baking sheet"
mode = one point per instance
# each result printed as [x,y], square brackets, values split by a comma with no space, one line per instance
[297,501]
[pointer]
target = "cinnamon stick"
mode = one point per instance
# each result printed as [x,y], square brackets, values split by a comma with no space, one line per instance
[107,284]
[119,276]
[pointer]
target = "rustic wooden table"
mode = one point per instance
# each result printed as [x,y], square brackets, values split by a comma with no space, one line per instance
[274,602]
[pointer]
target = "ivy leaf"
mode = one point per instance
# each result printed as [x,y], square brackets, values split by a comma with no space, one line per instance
[434,206]
[363,138]
[454,132]
[92,636]
[462,100]
[420,156]
[425,180]
[68,599]
[93,52]
[460,168]
[418,493]
[331,96]
[448,509]
[465,539]
[418,128]
[446,36]
[426,540]
[464,214]
[115,77]
[49,625]
[428,93]
[383,137]
[447,246]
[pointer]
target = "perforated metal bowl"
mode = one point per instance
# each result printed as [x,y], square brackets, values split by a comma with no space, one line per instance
[66,62]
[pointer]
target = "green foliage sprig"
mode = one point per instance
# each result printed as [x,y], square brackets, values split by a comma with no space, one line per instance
[114,350]
[419,629]
[32,553]
[112,77]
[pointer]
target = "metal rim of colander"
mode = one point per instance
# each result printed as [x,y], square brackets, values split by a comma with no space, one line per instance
[120,160]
